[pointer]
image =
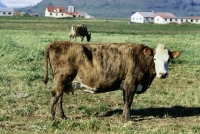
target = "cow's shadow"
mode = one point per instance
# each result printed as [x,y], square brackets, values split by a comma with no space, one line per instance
[174,112]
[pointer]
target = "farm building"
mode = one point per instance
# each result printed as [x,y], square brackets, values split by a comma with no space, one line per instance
[6,11]
[194,20]
[60,12]
[143,17]
[164,18]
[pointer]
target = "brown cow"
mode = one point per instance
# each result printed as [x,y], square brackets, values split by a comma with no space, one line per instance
[99,68]
[79,30]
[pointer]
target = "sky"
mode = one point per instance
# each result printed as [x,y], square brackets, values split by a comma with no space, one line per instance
[19,3]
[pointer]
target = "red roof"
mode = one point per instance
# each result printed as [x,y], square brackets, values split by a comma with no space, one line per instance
[61,10]
[52,9]
[194,17]
[165,15]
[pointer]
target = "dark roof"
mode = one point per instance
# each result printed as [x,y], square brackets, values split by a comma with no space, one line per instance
[148,14]
[154,14]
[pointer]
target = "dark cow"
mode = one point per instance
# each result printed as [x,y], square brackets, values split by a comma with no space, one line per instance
[79,30]
[99,68]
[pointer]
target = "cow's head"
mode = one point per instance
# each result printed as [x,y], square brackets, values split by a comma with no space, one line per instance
[88,37]
[162,57]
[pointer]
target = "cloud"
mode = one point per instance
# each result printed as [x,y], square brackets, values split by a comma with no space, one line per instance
[19,3]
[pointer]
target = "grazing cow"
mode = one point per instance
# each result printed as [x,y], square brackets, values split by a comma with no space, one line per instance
[79,30]
[99,68]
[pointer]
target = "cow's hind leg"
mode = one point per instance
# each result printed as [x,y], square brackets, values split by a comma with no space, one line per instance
[53,102]
[60,109]
[56,101]
[57,94]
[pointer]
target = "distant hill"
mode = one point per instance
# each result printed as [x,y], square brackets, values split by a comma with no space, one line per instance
[121,8]
[2,5]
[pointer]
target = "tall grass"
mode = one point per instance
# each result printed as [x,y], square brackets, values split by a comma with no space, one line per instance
[168,106]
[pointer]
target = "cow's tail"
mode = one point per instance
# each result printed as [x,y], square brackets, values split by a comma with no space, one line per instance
[46,57]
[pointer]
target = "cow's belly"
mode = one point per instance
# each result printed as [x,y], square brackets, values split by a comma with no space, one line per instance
[78,85]
[75,85]
[100,88]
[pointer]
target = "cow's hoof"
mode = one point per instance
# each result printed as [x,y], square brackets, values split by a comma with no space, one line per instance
[63,117]
[52,118]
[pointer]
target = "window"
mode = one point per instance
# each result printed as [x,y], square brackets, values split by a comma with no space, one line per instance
[165,19]
[4,12]
[157,19]
[170,19]
[50,13]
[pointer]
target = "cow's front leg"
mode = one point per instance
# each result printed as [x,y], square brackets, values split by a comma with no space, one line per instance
[128,94]
[70,36]
[127,106]
[82,37]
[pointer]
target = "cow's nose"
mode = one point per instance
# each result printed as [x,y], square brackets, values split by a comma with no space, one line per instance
[163,75]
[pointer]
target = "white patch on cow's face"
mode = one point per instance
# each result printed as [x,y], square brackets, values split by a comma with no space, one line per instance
[161,60]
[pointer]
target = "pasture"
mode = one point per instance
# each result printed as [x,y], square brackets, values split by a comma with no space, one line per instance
[169,106]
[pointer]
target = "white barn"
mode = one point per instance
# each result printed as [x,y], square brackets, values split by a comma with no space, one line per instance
[143,17]
[6,11]
[165,18]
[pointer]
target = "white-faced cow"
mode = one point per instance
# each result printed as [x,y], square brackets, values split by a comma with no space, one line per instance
[99,68]
[79,30]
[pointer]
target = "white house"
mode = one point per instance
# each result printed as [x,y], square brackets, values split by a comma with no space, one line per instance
[59,12]
[6,11]
[164,18]
[142,17]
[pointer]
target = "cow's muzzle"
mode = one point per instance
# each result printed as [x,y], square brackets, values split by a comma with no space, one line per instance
[162,75]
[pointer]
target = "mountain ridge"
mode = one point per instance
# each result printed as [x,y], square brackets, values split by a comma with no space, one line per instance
[2,5]
[121,8]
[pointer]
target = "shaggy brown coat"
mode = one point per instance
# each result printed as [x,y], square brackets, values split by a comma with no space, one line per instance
[103,67]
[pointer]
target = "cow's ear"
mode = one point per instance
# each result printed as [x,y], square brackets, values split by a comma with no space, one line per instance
[174,54]
[148,52]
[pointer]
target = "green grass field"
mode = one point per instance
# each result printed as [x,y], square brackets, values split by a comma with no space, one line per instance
[169,106]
